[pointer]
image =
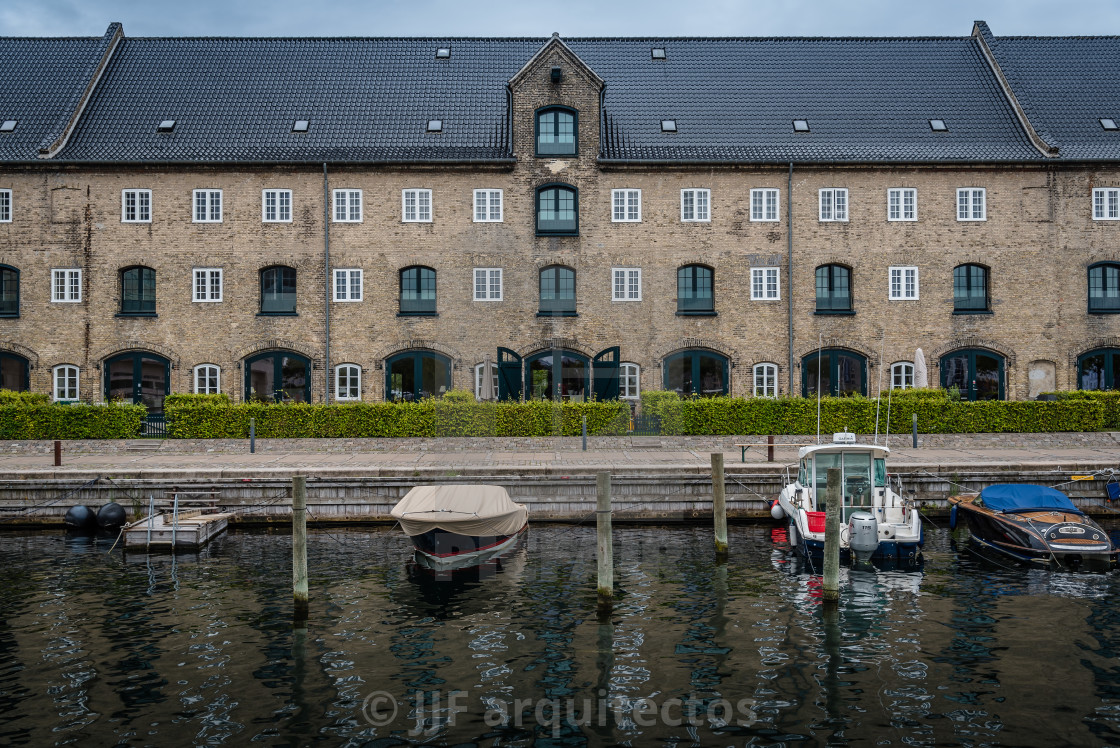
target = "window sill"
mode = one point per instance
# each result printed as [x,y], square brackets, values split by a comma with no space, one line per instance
[972,311]
[277,314]
[136,314]
[697,314]
[9,316]
[558,233]
[538,154]
[417,314]
[557,314]
[1091,311]
[836,312]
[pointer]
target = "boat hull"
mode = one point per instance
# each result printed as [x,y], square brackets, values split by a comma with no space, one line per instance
[888,551]
[441,550]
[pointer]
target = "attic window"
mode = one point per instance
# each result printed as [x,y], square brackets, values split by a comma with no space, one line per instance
[166,125]
[938,125]
[668,125]
[1106,122]
[300,125]
[443,53]
[9,125]
[657,53]
[435,125]
[801,125]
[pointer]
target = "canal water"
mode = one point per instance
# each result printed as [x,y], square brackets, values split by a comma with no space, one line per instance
[97,648]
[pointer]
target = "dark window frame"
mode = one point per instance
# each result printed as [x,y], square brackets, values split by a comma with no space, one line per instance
[417,355]
[1102,268]
[970,392]
[695,306]
[282,282]
[833,355]
[557,307]
[138,306]
[962,305]
[1108,372]
[553,109]
[832,272]
[9,309]
[277,355]
[697,385]
[558,186]
[417,307]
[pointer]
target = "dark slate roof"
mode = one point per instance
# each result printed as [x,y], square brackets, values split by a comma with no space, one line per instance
[1065,85]
[43,80]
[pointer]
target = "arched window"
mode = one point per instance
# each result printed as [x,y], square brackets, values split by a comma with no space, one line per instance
[557,210]
[696,290]
[557,375]
[278,290]
[278,376]
[347,382]
[556,131]
[138,291]
[765,380]
[415,375]
[696,372]
[558,292]
[138,377]
[480,375]
[1104,288]
[976,374]
[14,372]
[418,291]
[1099,369]
[834,289]
[628,381]
[65,383]
[970,289]
[902,375]
[9,291]
[207,379]
[834,372]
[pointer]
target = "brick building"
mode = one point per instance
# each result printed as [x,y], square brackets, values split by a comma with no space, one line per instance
[383,218]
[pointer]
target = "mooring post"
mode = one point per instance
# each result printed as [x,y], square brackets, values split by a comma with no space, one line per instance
[584,427]
[299,546]
[915,422]
[770,448]
[606,546]
[252,436]
[719,504]
[57,453]
[831,590]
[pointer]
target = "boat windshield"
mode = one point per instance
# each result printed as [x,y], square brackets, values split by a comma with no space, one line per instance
[880,471]
[803,473]
[855,471]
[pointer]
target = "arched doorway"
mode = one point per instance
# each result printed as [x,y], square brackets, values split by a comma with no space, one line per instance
[696,372]
[138,377]
[838,372]
[976,373]
[14,372]
[559,374]
[1099,369]
[278,376]
[414,375]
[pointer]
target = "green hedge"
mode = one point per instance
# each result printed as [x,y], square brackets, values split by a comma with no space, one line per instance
[189,417]
[1109,399]
[32,419]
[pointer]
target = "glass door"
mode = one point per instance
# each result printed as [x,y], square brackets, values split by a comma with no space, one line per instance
[977,374]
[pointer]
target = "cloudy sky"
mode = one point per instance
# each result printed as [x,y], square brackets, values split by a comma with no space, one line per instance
[536,18]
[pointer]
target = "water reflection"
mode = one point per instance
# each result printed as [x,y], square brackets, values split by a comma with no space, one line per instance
[104,649]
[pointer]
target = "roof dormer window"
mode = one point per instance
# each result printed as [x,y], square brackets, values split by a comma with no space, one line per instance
[657,53]
[1106,122]
[300,125]
[435,125]
[8,125]
[443,53]
[556,131]
[668,125]
[801,125]
[938,125]
[166,125]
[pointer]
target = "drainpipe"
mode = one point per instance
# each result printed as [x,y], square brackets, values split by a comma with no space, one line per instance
[789,267]
[327,274]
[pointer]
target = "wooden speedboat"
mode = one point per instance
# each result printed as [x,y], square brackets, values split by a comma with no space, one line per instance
[459,525]
[1034,524]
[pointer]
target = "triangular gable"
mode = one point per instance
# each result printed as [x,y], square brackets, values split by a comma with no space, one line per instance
[557,43]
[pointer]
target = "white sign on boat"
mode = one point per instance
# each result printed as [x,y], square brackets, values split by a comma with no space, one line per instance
[844,437]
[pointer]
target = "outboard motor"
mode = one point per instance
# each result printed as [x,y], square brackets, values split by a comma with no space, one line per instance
[863,535]
[80,518]
[111,516]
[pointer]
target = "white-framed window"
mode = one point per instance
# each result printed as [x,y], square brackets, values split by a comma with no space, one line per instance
[416,206]
[765,284]
[1106,204]
[207,206]
[347,206]
[479,373]
[902,375]
[834,204]
[347,284]
[971,204]
[136,206]
[487,284]
[487,206]
[902,204]
[207,379]
[207,284]
[66,285]
[347,382]
[626,206]
[626,284]
[765,380]
[903,283]
[65,382]
[5,206]
[628,380]
[276,206]
[764,204]
[696,205]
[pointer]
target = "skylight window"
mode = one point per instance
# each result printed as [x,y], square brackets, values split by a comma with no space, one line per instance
[8,125]
[801,125]
[300,125]
[658,53]
[1106,122]
[166,125]
[938,125]
[668,125]
[435,125]
[443,53]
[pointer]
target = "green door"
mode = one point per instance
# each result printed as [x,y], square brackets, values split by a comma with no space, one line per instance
[140,378]
[977,374]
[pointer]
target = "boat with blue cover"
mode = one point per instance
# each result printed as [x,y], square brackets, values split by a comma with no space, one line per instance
[1034,524]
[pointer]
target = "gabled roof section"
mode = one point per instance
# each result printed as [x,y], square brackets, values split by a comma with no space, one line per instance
[556,43]
[45,81]
[1065,85]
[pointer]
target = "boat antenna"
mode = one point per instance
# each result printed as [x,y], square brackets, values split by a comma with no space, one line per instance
[818,388]
[879,394]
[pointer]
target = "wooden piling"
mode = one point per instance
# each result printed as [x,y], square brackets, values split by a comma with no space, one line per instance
[830,592]
[719,504]
[57,453]
[770,448]
[606,546]
[299,547]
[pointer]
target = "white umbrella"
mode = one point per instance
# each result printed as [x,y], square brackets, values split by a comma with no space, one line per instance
[487,389]
[921,373]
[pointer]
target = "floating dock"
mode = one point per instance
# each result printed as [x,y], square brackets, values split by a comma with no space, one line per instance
[189,524]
